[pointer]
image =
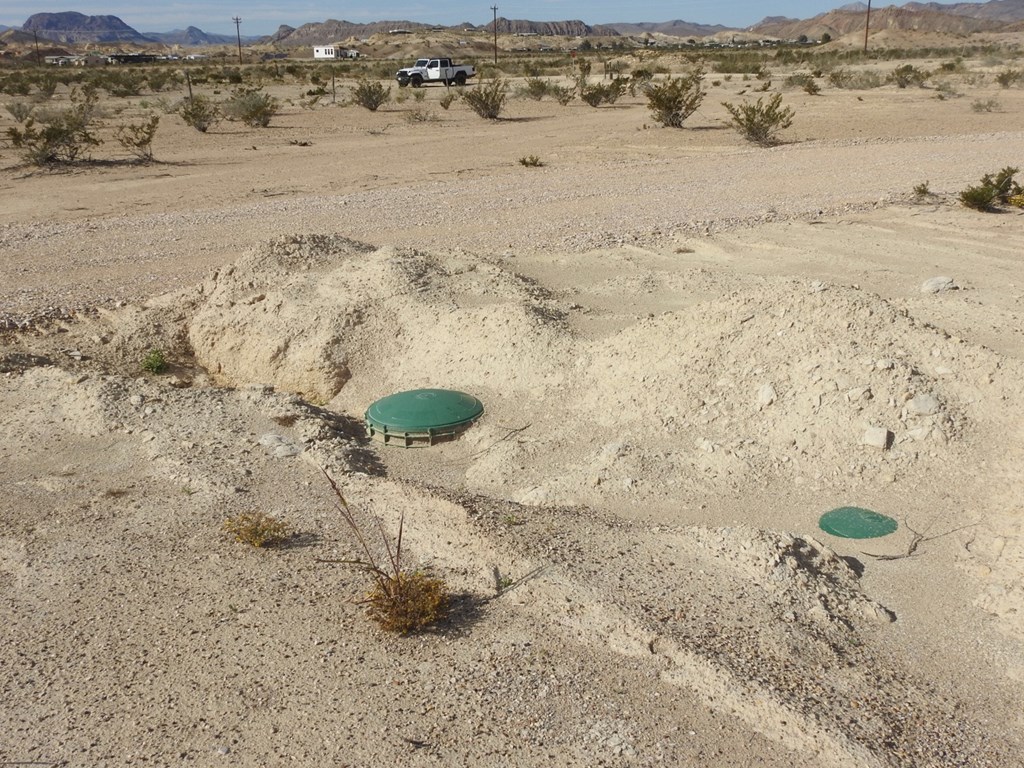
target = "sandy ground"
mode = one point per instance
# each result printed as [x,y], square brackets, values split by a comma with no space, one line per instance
[681,342]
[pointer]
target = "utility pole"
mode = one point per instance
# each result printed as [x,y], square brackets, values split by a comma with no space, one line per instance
[867,23]
[238,34]
[35,36]
[495,9]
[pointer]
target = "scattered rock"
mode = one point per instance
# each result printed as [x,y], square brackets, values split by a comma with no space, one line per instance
[877,437]
[924,404]
[938,285]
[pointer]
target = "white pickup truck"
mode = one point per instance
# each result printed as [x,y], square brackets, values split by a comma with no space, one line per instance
[434,71]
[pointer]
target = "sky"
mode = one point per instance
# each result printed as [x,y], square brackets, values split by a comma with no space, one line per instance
[261,17]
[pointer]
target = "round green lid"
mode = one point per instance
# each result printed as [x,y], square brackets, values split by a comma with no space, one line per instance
[424,410]
[856,523]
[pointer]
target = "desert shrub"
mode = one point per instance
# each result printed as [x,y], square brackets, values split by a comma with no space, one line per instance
[985,105]
[944,90]
[154,361]
[137,138]
[675,99]
[400,599]
[741,63]
[420,115]
[639,79]
[161,79]
[419,95]
[371,94]
[922,191]
[563,94]
[1008,77]
[804,81]
[531,161]
[200,113]
[256,529]
[487,99]
[58,137]
[46,86]
[761,122]
[602,93]
[250,106]
[854,81]
[992,191]
[16,84]
[19,110]
[446,100]
[908,75]
[534,88]
[123,83]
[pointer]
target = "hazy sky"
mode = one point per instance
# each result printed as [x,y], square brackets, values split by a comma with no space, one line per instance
[260,17]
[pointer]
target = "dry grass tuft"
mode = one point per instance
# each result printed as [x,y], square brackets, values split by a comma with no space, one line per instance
[256,529]
[400,600]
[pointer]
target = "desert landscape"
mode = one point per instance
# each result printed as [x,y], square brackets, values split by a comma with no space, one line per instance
[683,342]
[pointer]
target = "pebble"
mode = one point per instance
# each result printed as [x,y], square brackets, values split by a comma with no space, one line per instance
[876,437]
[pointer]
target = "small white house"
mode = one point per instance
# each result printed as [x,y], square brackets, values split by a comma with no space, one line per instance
[334,52]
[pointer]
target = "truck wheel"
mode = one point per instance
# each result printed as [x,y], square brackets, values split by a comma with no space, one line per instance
[416,81]
[460,78]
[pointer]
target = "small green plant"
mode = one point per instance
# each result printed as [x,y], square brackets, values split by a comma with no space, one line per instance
[256,529]
[419,95]
[672,101]
[399,600]
[446,100]
[563,94]
[154,361]
[922,191]
[855,81]
[992,191]
[531,161]
[137,138]
[200,113]
[761,122]
[371,94]
[250,106]
[487,99]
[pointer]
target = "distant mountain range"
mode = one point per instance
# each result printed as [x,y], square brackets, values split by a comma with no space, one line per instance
[71,27]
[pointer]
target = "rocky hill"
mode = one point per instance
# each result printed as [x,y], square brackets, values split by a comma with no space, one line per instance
[838,23]
[570,28]
[995,10]
[193,36]
[73,27]
[333,30]
[675,28]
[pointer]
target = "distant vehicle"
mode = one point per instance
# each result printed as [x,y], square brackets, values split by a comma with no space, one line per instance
[434,71]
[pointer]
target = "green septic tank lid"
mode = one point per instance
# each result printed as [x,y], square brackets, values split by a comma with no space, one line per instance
[856,523]
[422,416]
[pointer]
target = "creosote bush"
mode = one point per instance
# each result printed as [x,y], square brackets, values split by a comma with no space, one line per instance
[250,106]
[760,123]
[400,600]
[371,94]
[200,113]
[602,93]
[256,529]
[908,75]
[531,161]
[137,138]
[675,99]
[1000,189]
[487,99]
[58,137]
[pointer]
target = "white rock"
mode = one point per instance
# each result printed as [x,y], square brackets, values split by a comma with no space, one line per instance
[766,395]
[924,404]
[938,285]
[876,437]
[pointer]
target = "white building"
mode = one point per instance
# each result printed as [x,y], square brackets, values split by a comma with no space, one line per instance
[333,52]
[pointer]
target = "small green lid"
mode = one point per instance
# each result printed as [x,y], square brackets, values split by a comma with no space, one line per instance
[422,415]
[856,523]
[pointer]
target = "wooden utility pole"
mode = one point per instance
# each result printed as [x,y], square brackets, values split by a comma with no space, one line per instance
[495,9]
[867,25]
[238,35]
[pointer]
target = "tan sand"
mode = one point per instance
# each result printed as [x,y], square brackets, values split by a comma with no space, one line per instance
[681,342]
